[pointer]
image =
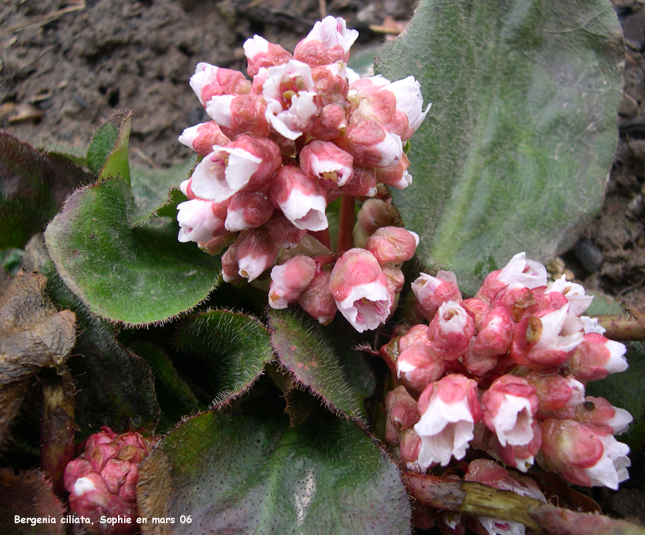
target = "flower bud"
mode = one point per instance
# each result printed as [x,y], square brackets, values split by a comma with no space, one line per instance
[284,232]
[102,481]
[521,457]
[584,455]
[574,293]
[432,292]
[328,42]
[301,199]
[402,413]
[449,410]
[542,341]
[392,245]
[331,83]
[317,300]
[450,331]
[362,183]
[371,144]
[508,408]
[396,175]
[596,357]
[598,412]
[290,279]
[360,289]
[202,137]
[494,337]
[255,253]
[518,300]
[326,162]
[260,53]
[478,365]
[558,396]
[209,81]
[330,124]
[248,210]
[417,366]
[200,221]
[239,114]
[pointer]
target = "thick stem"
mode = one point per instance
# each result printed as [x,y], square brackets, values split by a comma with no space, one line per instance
[346,224]
[479,500]
[622,327]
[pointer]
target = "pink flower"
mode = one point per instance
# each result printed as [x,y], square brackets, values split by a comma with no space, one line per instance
[558,396]
[239,114]
[416,365]
[396,175]
[260,53]
[371,144]
[574,293]
[449,410]
[596,357]
[583,454]
[330,124]
[542,341]
[392,245]
[508,408]
[255,252]
[202,137]
[331,83]
[245,162]
[432,292]
[494,337]
[362,183]
[199,220]
[598,412]
[209,81]
[317,300]
[328,42]
[360,290]
[290,279]
[325,161]
[527,273]
[290,96]
[521,457]
[450,331]
[301,198]
[247,210]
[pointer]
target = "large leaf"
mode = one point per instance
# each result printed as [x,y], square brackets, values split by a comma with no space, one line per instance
[136,275]
[515,152]
[323,360]
[227,349]
[114,387]
[33,185]
[253,474]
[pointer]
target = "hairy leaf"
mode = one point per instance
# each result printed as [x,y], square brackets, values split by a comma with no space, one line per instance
[253,474]
[323,360]
[135,275]
[515,152]
[33,186]
[227,349]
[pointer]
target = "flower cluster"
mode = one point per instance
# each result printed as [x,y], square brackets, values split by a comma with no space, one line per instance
[101,482]
[505,372]
[303,132]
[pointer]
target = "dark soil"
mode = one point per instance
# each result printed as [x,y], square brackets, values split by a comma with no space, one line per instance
[66,66]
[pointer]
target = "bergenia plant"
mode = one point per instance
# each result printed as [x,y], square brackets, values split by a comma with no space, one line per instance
[330,347]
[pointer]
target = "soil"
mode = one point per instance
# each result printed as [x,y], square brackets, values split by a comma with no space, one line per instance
[65,66]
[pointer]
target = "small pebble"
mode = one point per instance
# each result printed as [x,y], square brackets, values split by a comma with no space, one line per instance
[588,254]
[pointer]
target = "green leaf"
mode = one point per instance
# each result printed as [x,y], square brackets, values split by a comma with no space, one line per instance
[227,350]
[625,390]
[514,154]
[105,140]
[133,275]
[114,386]
[323,360]
[33,186]
[253,474]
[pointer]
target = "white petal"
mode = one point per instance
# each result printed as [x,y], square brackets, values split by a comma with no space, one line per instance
[305,211]
[514,272]
[390,149]
[219,109]
[617,362]
[254,46]
[367,306]
[513,421]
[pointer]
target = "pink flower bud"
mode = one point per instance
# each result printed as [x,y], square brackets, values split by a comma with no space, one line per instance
[547,300]
[371,144]
[290,279]
[490,287]
[521,457]
[596,357]
[450,331]
[449,410]
[409,447]
[317,300]
[248,210]
[328,42]
[284,232]
[301,199]
[245,162]
[508,408]
[102,481]
[395,277]
[260,53]
[290,96]
[256,252]
[574,293]
[216,245]
[200,221]
[558,396]
[542,341]
[362,183]
[392,245]
[360,289]
[478,310]
[324,161]
[230,267]
[331,83]
[402,413]
[417,366]
[330,124]
[518,300]
[239,114]
[202,137]
[583,455]
[478,365]
[432,292]
[494,337]
[396,175]
[374,214]
[209,81]
[598,412]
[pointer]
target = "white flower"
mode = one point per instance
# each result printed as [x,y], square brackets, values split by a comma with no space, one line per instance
[197,221]
[575,294]
[527,272]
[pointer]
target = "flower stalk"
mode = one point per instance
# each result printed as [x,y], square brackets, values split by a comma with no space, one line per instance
[622,328]
[346,224]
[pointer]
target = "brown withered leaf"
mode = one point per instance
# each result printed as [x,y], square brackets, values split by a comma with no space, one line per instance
[33,335]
